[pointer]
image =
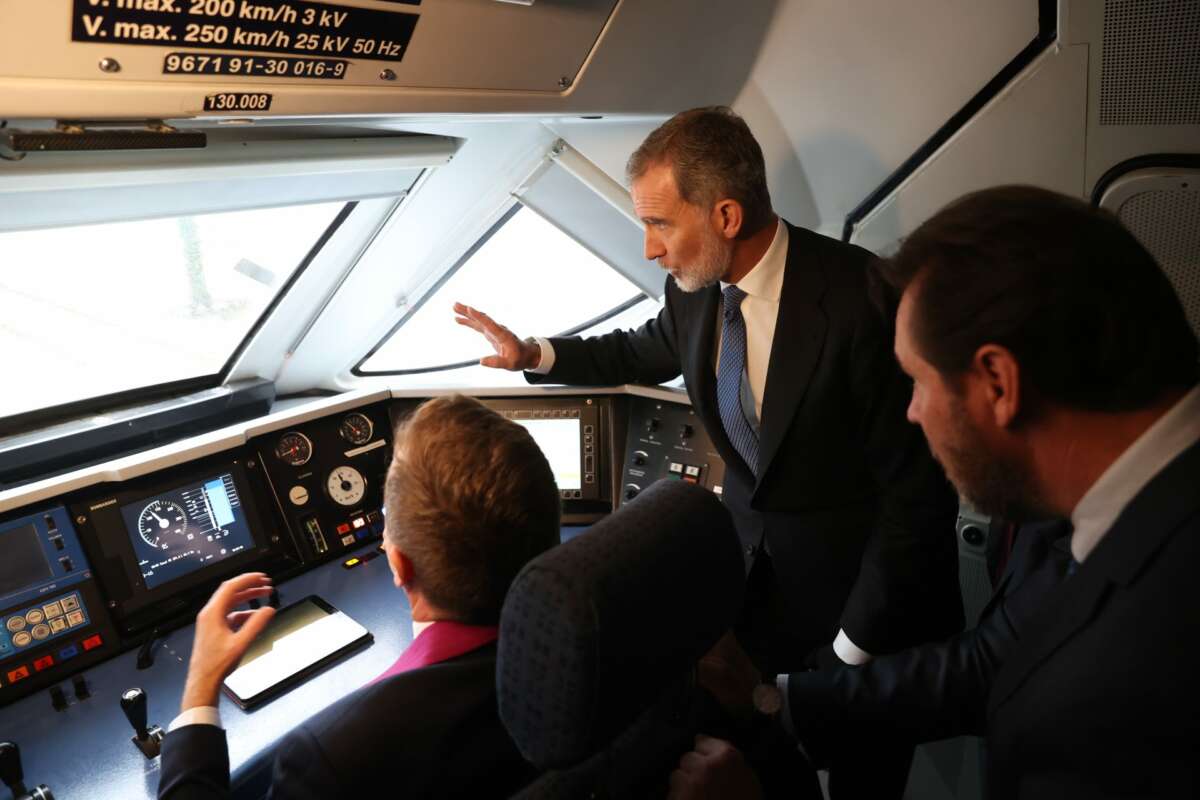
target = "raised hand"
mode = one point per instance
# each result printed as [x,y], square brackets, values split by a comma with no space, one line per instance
[223,636]
[511,352]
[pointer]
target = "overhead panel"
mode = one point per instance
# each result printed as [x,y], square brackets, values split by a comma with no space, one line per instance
[254,48]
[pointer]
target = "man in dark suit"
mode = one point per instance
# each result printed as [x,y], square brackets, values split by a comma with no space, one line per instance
[1054,374]
[470,500]
[846,523]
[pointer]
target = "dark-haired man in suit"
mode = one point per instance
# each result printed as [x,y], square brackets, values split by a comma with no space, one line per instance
[470,500]
[1054,375]
[847,525]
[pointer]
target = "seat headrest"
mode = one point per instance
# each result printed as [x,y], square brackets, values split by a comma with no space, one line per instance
[593,630]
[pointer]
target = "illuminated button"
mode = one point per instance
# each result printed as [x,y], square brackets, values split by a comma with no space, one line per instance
[690,479]
[53,609]
[45,662]
[343,528]
[34,615]
[22,639]
[75,618]
[718,489]
[18,674]
[675,468]
[15,624]
[348,539]
[70,603]
[40,631]
[58,625]
[350,563]
[68,652]
[92,642]
[693,471]
[358,522]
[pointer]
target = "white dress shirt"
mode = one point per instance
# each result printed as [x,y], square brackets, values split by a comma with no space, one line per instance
[763,286]
[1098,509]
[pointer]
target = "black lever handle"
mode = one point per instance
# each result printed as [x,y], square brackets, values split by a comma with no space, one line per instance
[10,768]
[133,703]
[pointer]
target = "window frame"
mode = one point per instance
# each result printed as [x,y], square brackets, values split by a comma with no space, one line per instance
[358,371]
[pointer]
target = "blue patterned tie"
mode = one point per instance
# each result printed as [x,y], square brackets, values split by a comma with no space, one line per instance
[729,379]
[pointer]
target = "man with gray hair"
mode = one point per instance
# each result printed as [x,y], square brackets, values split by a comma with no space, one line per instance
[847,524]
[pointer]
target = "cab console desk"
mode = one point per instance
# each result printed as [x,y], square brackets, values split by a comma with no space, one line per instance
[102,569]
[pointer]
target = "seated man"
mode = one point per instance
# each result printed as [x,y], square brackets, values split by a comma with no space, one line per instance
[1054,375]
[470,499]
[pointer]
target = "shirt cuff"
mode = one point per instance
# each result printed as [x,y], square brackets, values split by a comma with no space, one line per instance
[200,715]
[848,651]
[785,713]
[546,363]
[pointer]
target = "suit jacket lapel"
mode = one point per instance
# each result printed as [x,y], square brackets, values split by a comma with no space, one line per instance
[1137,535]
[800,332]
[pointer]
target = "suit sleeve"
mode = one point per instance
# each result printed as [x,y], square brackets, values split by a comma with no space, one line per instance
[907,588]
[648,355]
[925,693]
[195,764]
[303,770]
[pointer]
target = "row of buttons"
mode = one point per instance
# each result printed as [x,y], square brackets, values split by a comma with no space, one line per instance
[560,413]
[361,528]
[687,472]
[44,621]
[47,661]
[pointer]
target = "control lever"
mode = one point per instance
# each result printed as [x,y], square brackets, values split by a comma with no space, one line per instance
[148,739]
[13,776]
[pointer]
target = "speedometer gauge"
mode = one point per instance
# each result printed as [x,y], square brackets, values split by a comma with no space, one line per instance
[356,428]
[346,486]
[161,522]
[294,449]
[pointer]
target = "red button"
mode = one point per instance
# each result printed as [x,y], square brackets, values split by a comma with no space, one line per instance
[92,642]
[45,662]
[343,528]
[20,673]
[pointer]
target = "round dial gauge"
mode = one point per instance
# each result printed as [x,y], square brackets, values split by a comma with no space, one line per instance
[294,449]
[356,428]
[161,522]
[346,486]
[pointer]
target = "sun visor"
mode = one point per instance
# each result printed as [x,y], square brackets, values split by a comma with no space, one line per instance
[233,170]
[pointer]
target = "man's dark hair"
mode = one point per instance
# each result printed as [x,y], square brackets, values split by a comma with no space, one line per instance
[470,499]
[713,156]
[1088,314]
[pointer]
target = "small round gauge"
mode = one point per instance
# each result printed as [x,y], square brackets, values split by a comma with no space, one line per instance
[356,428]
[346,486]
[294,449]
[160,522]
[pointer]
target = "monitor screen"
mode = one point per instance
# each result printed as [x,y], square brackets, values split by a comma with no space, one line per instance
[24,562]
[559,440]
[177,532]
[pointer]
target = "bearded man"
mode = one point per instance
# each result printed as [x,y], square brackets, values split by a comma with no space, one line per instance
[847,524]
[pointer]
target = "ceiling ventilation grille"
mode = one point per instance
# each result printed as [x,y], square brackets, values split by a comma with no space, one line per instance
[1150,68]
[1167,223]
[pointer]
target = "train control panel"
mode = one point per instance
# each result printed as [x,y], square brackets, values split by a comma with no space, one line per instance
[102,570]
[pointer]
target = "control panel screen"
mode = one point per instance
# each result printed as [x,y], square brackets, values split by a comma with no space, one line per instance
[559,440]
[177,532]
[24,560]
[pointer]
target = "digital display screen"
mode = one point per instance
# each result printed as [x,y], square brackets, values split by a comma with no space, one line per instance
[297,637]
[24,561]
[177,532]
[559,441]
